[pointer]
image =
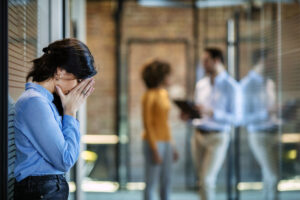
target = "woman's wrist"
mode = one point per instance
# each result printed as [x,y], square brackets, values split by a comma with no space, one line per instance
[155,152]
[71,113]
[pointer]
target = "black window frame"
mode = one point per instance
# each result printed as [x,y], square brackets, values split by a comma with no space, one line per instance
[3,97]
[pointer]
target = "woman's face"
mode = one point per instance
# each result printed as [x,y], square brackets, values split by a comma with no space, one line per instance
[167,81]
[66,81]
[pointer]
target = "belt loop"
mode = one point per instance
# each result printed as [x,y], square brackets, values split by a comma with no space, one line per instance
[58,182]
[58,179]
[29,180]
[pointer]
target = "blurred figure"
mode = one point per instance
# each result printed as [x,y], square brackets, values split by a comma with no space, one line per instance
[215,100]
[259,116]
[158,150]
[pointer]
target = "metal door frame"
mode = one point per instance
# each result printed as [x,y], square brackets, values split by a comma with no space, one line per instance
[3,97]
[123,146]
[233,158]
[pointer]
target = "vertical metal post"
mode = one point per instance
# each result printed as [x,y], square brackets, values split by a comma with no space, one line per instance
[64,18]
[121,105]
[50,20]
[279,89]
[4,97]
[79,17]
[237,129]
[231,40]
[233,165]
[230,65]
[56,20]
[196,42]
[191,78]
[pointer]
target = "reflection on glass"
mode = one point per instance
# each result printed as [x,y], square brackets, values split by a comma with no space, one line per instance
[11,143]
[260,119]
[100,162]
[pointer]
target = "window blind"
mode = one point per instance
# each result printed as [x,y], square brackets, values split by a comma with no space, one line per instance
[22,48]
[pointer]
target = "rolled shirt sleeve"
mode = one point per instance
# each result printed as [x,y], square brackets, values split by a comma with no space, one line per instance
[225,110]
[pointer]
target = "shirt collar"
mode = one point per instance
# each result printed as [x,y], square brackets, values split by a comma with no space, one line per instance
[256,76]
[221,76]
[40,89]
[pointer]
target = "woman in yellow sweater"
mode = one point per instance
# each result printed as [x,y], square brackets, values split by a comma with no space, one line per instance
[158,150]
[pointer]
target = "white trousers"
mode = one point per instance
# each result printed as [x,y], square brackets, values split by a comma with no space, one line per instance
[265,149]
[209,152]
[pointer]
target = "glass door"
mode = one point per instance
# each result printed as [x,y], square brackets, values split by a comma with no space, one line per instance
[269,138]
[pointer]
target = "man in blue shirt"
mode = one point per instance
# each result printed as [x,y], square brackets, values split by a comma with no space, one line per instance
[215,97]
[260,118]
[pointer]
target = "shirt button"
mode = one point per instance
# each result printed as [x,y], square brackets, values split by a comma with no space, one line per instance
[42,196]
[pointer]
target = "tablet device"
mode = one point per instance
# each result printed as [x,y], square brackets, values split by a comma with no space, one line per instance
[187,107]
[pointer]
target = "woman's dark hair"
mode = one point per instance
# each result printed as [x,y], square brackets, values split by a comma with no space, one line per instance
[68,54]
[215,53]
[155,72]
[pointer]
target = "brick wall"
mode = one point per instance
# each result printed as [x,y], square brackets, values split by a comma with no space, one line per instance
[166,34]
[157,29]
[101,41]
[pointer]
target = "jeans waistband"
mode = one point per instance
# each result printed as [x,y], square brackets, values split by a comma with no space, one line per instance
[44,178]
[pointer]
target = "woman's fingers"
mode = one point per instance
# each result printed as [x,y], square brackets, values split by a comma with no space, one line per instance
[88,81]
[87,88]
[84,97]
[60,92]
[82,85]
[89,92]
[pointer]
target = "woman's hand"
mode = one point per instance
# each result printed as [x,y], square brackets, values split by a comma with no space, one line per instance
[156,158]
[184,116]
[175,155]
[76,97]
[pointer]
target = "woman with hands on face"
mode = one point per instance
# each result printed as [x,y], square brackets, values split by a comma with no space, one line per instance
[47,140]
[71,101]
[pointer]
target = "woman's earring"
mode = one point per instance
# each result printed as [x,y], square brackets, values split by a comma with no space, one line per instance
[57,77]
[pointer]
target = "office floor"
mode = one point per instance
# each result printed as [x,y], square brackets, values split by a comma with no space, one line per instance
[184,195]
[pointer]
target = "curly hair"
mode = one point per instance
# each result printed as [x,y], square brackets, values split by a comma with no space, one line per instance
[155,72]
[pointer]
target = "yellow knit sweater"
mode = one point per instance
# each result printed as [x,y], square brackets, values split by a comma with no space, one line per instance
[155,107]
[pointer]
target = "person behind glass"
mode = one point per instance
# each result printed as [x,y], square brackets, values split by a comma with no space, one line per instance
[47,144]
[158,150]
[260,118]
[215,97]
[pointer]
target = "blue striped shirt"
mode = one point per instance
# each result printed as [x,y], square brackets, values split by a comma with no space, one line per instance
[46,142]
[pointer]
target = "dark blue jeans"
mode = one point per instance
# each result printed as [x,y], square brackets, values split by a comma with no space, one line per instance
[50,187]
